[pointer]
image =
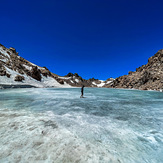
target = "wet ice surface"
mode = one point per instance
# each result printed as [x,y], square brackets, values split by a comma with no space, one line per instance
[55,125]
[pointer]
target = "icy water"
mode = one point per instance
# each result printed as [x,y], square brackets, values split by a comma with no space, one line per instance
[55,125]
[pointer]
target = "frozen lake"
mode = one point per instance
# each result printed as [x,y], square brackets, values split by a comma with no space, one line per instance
[56,125]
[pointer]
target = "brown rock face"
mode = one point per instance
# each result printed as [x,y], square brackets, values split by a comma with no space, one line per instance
[35,73]
[2,70]
[146,77]
[45,72]
[59,80]
[69,74]
[19,78]
[16,63]
[13,50]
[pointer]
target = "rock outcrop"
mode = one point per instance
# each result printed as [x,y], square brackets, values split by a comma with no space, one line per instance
[19,78]
[77,81]
[36,73]
[146,77]
[20,70]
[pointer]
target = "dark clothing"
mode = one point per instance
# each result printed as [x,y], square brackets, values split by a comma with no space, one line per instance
[82,90]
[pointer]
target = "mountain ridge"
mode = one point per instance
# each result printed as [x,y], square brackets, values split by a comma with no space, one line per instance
[146,77]
[15,70]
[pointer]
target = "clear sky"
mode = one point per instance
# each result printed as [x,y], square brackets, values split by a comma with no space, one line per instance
[95,38]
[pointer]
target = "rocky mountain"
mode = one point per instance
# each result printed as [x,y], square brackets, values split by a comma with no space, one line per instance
[77,81]
[146,77]
[15,71]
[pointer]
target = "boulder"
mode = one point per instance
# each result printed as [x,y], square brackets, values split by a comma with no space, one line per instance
[2,70]
[19,78]
[8,75]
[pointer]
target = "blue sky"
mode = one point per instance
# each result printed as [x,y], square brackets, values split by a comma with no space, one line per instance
[95,38]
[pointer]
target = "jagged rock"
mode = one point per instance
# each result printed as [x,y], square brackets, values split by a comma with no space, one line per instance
[35,73]
[45,68]
[146,77]
[59,80]
[8,75]
[80,78]
[21,71]
[19,78]
[92,79]
[45,72]
[130,72]
[76,75]
[13,50]
[69,74]
[9,58]
[2,70]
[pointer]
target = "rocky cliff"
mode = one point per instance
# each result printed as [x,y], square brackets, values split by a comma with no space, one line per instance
[15,70]
[146,77]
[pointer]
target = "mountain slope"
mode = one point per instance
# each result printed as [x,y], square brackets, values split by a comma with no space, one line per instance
[15,70]
[146,77]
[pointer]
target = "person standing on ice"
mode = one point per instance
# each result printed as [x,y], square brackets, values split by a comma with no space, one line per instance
[82,91]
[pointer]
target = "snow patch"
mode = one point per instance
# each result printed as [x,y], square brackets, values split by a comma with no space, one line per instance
[64,77]
[45,81]
[27,67]
[99,85]
[77,80]
[4,52]
[108,82]
[4,59]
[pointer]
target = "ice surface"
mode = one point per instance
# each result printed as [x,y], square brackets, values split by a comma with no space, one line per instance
[56,125]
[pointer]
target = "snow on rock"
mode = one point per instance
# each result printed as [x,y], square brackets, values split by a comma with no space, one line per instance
[4,52]
[60,77]
[13,67]
[27,67]
[99,85]
[77,80]
[108,82]
[71,81]
[18,66]
[45,81]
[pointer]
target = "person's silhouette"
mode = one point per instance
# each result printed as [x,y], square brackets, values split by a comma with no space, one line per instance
[82,91]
